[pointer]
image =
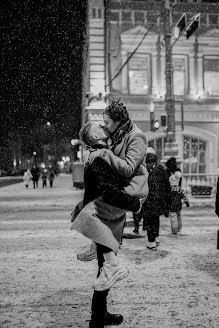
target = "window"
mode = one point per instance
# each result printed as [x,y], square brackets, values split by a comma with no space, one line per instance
[126,16]
[139,74]
[194,155]
[139,17]
[179,78]
[211,76]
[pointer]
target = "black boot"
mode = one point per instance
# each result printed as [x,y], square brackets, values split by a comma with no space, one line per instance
[95,324]
[113,319]
[136,230]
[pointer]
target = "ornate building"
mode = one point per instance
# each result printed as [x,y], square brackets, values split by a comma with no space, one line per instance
[126,60]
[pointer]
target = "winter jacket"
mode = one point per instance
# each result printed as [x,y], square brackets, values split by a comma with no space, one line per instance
[176,196]
[35,173]
[158,199]
[127,159]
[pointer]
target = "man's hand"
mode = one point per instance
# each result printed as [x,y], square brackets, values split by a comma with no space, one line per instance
[96,153]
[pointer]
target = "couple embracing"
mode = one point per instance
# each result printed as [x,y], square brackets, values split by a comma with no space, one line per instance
[115,182]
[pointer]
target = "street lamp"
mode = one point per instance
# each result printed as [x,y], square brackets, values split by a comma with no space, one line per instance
[151,109]
[34,154]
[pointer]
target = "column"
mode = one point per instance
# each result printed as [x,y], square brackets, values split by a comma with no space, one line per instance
[154,74]
[124,74]
[191,77]
[200,75]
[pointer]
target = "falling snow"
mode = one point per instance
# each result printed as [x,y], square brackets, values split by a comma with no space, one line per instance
[41,68]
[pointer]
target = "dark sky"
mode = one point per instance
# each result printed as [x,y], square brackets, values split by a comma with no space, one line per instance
[41,67]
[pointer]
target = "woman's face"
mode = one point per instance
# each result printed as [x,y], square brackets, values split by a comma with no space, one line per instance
[109,125]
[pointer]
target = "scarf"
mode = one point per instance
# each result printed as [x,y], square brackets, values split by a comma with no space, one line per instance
[120,133]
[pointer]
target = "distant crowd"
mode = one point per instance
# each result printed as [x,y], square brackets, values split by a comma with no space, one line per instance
[34,174]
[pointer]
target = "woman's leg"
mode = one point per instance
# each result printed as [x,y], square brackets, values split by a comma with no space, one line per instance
[179,218]
[137,219]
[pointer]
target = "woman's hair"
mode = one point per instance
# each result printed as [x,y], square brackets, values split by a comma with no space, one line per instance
[117,112]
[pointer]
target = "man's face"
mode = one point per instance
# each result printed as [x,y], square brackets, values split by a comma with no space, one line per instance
[110,125]
[98,132]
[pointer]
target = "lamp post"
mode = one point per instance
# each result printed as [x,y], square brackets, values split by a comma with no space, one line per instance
[34,157]
[169,97]
[171,148]
[151,109]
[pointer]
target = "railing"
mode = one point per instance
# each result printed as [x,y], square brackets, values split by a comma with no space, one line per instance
[200,184]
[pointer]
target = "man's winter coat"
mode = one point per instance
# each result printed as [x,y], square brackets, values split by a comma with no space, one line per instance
[104,206]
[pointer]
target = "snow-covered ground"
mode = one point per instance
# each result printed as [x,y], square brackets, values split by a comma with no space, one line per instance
[43,285]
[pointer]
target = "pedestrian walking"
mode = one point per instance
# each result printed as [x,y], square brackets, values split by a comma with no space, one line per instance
[127,147]
[44,178]
[51,175]
[27,178]
[157,202]
[105,225]
[176,195]
[138,217]
[36,175]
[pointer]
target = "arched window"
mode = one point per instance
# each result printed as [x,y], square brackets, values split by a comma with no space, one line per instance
[194,155]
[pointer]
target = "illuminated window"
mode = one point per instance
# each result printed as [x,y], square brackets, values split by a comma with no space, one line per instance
[211,76]
[194,155]
[179,76]
[139,75]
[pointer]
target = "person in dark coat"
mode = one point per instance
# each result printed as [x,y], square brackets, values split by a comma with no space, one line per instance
[44,178]
[35,175]
[103,190]
[176,195]
[157,202]
[51,175]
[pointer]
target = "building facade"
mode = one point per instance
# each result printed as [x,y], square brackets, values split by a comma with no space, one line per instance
[126,60]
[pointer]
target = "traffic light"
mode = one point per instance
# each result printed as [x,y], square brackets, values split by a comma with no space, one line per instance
[192,26]
[180,25]
[163,120]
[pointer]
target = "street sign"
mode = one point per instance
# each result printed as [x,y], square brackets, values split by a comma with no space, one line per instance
[192,26]
[180,25]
